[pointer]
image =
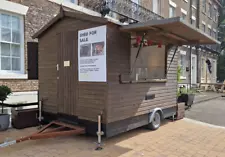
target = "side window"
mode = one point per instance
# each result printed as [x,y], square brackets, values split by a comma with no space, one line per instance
[149,64]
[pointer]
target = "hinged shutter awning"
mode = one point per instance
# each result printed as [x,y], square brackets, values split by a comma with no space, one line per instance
[173,31]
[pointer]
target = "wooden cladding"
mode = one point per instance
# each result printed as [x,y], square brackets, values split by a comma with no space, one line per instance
[129,100]
[85,100]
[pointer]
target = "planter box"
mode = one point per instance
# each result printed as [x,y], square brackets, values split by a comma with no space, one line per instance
[188,99]
[4,122]
[24,118]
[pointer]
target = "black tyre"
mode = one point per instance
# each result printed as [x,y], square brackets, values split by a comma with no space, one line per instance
[156,122]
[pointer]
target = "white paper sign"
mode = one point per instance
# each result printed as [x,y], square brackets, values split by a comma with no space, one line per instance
[92,54]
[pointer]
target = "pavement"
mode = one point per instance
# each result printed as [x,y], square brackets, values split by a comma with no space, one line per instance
[206,96]
[212,111]
[183,138]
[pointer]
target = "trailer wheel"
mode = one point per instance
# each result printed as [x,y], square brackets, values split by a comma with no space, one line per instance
[156,122]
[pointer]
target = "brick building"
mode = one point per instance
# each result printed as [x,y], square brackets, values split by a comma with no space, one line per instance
[20,19]
[31,15]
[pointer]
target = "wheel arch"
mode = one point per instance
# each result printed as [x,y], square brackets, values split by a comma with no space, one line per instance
[151,114]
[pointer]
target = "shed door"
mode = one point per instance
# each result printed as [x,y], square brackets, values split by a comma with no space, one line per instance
[67,73]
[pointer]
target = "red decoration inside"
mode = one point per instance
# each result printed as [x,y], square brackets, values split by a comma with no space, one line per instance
[149,42]
[138,40]
[160,45]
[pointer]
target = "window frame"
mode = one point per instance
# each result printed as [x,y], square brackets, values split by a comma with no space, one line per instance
[210,14]
[14,73]
[214,68]
[203,68]
[209,31]
[214,14]
[174,11]
[183,14]
[159,6]
[204,6]
[183,55]
[134,77]
[203,27]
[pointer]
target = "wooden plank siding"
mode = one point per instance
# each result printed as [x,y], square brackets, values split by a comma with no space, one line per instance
[81,99]
[117,102]
[127,100]
[47,71]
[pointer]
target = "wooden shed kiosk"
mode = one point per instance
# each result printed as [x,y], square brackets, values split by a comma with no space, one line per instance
[90,66]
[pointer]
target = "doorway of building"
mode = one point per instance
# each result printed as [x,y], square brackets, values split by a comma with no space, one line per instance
[193,69]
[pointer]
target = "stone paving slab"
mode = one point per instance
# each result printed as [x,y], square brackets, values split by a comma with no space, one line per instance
[181,138]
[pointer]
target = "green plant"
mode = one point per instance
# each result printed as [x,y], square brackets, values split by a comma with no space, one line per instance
[4,93]
[179,70]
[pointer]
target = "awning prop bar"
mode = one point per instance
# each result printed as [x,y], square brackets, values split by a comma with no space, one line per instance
[139,49]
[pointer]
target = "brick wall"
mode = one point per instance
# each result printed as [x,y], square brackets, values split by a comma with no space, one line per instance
[21,85]
[39,13]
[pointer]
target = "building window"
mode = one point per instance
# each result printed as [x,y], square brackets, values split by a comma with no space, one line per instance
[11,43]
[215,14]
[193,21]
[194,3]
[210,31]
[210,10]
[203,27]
[183,16]
[204,5]
[149,65]
[183,65]
[194,12]
[214,68]
[214,34]
[203,68]
[172,11]
[156,5]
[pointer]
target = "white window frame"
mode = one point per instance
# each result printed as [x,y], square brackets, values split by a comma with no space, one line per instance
[215,31]
[13,7]
[10,74]
[214,68]
[159,7]
[204,27]
[172,3]
[203,68]
[183,12]
[183,76]
[215,14]
[210,14]
[203,23]
[210,33]
[193,18]
[171,6]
